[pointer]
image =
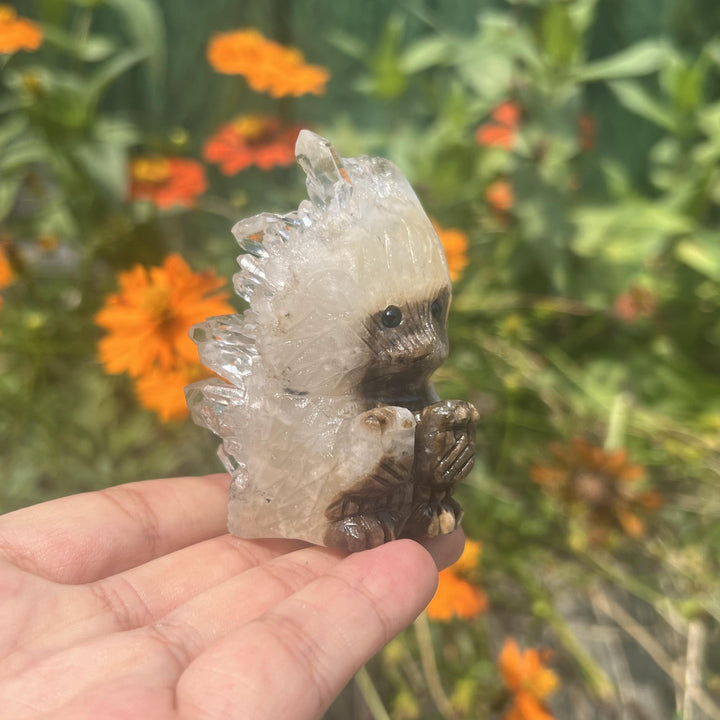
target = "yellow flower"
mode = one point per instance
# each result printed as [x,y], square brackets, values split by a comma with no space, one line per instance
[17,33]
[455,244]
[266,65]
[455,596]
[149,318]
[527,678]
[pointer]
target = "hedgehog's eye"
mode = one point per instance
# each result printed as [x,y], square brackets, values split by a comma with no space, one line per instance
[436,308]
[391,316]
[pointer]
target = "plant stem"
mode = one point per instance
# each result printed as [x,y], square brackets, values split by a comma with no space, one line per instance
[617,423]
[598,681]
[429,666]
[370,695]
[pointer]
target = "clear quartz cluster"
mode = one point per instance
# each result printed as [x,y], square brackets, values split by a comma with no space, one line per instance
[329,425]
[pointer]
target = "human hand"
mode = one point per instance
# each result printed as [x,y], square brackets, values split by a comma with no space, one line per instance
[132,603]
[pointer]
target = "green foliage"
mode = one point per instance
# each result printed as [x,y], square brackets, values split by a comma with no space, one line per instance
[590,306]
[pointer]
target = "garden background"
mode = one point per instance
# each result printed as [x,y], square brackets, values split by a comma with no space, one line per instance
[568,153]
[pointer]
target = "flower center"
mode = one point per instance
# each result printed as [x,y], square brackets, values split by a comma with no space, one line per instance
[7,14]
[254,129]
[154,171]
[593,489]
[30,80]
[156,301]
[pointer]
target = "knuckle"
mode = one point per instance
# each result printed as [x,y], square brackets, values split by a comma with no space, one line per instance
[118,598]
[136,507]
[180,642]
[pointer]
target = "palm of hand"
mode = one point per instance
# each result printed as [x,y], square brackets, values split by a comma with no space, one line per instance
[130,603]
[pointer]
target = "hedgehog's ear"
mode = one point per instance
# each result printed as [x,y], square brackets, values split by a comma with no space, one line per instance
[327,178]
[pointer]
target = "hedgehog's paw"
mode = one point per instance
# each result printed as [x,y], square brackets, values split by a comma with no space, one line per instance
[357,532]
[429,519]
[445,443]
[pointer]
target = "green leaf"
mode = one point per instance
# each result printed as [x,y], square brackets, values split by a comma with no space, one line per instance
[116,131]
[424,54]
[636,99]
[711,50]
[632,234]
[9,187]
[111,70]
[104,163]
[11,128]
[582,14]
[639,59]
[709,121]
[21,153]
[487,71]
[10,103]
[144,23]
[559,38]
[684,81]
[389,81]
[348,44]
[702,253]
[93,49]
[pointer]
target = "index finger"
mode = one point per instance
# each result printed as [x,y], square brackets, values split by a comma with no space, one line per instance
[83,538]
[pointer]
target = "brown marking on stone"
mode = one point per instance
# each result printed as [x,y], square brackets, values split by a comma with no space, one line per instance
[378,505]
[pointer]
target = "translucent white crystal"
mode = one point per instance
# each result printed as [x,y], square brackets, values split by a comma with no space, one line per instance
[302,368]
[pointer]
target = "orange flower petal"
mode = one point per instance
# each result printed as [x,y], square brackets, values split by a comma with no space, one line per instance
[267,66]
[148,320]
[507,113]
[6,272]
[455,244]
[545,475]
[511,664]
[163,392]
[17,33]
[631,523]
[500,136]
[167,181]
[530,708]
[500,195]
[523,672]
[470,557]
[456,597]
[241,143]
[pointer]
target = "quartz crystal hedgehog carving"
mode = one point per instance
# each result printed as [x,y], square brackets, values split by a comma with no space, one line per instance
[330,427]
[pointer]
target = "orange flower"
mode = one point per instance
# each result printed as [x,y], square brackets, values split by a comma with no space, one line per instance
[6,272]
[527,678]
[163,391]
[636,302]
[148,320]
[500,196]
[266,65]
[167,181]
[252,140]
[600,483]
[502,132]
[17,33]
[455,244]
[456,597]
